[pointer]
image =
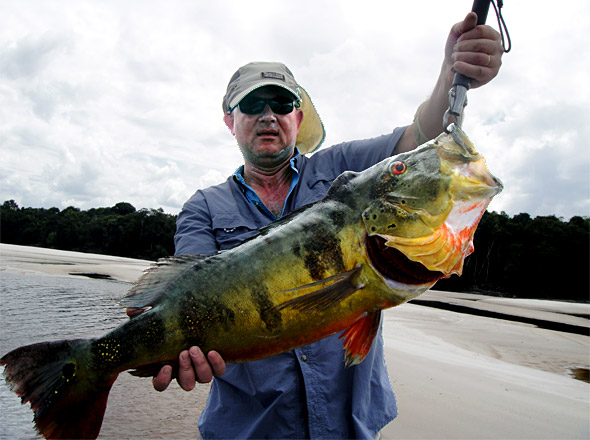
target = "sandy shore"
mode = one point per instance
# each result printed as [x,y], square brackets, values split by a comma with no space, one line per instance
[64,263]
[493,373]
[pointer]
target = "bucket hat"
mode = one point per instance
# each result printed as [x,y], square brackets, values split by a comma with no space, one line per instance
[259,74]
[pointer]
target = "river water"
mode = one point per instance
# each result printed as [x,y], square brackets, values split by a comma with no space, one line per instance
[38,307]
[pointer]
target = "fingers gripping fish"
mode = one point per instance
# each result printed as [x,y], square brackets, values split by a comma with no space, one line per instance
[378,239]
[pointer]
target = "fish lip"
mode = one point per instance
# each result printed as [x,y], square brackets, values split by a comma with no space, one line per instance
[470,174]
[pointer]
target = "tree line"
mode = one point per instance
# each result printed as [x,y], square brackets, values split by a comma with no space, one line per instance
[542,257]
[120,230]
[520,256]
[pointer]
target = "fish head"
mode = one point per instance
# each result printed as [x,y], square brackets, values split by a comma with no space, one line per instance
[424,208]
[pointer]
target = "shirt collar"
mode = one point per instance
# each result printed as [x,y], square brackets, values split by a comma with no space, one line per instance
[250,194]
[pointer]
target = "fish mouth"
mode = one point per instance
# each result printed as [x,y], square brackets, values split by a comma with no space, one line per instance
[394,266]
[424,260]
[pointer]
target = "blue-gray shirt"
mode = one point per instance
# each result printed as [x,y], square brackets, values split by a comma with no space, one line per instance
[307,392]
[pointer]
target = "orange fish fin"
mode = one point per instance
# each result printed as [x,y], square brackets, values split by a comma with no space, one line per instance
[358,338]
[342,286]
[155,282]
[68,401]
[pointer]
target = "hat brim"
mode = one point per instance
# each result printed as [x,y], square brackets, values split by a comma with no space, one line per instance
[311,132]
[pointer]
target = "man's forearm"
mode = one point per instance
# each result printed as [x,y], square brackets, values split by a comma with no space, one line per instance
[430,116]
[428,120]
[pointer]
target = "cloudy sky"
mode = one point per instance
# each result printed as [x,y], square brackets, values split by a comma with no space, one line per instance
[110,101]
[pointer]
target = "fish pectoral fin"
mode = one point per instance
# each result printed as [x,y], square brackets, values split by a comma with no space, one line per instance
[154,282]
[341,286]
[358,338]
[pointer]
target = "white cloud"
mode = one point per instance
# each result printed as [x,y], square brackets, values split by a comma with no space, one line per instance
[111,101]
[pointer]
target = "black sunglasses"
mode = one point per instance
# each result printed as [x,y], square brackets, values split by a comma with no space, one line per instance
[281,105]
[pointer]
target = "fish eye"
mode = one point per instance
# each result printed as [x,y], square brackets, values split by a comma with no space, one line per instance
[398,168]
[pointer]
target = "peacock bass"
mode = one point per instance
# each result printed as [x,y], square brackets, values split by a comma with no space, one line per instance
[378,239]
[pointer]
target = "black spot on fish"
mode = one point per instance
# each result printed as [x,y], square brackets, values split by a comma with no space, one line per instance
[200,315]
[268,314]
[68,370]
[338,218]
[322,251]
[296,249]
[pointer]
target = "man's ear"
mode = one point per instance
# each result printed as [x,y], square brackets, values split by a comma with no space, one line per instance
[299,118]
[229,121]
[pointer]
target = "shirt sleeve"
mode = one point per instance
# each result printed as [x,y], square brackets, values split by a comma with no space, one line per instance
[194,233]
[359,155]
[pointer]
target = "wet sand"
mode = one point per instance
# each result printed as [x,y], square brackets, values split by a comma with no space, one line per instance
[463,366]
[471,377]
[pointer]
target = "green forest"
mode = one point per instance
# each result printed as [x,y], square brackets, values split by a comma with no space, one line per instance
[120,230]
[543,257]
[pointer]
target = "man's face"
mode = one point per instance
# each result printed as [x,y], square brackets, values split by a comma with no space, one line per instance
[267,138]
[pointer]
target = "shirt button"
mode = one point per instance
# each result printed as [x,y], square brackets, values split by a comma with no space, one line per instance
[304,358]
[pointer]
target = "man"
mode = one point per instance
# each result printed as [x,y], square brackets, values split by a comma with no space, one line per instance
[308,392]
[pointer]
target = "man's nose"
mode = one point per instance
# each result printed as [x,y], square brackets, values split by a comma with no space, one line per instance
[267,113]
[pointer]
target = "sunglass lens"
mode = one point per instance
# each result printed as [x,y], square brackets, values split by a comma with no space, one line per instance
[252,106]
[281,108]
[279,105]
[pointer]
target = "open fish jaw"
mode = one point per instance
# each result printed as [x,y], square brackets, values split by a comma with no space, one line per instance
[398,271]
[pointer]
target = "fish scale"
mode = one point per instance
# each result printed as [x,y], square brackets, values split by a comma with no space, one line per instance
[379,238]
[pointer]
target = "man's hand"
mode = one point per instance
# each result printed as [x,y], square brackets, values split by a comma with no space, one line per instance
[474,51]
[193,365]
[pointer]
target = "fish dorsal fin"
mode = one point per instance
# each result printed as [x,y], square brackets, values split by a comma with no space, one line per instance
[339,288]
[156,280]
[359,337]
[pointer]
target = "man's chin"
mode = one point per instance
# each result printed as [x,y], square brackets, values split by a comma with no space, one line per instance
[269,154]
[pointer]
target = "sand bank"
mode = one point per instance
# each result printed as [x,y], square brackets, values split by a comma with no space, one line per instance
[462,376]
[65,263]
[456,375]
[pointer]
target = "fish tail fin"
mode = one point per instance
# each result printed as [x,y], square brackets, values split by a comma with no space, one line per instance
[67,396]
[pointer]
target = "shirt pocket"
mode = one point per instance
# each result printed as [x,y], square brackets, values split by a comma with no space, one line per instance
[230,230]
